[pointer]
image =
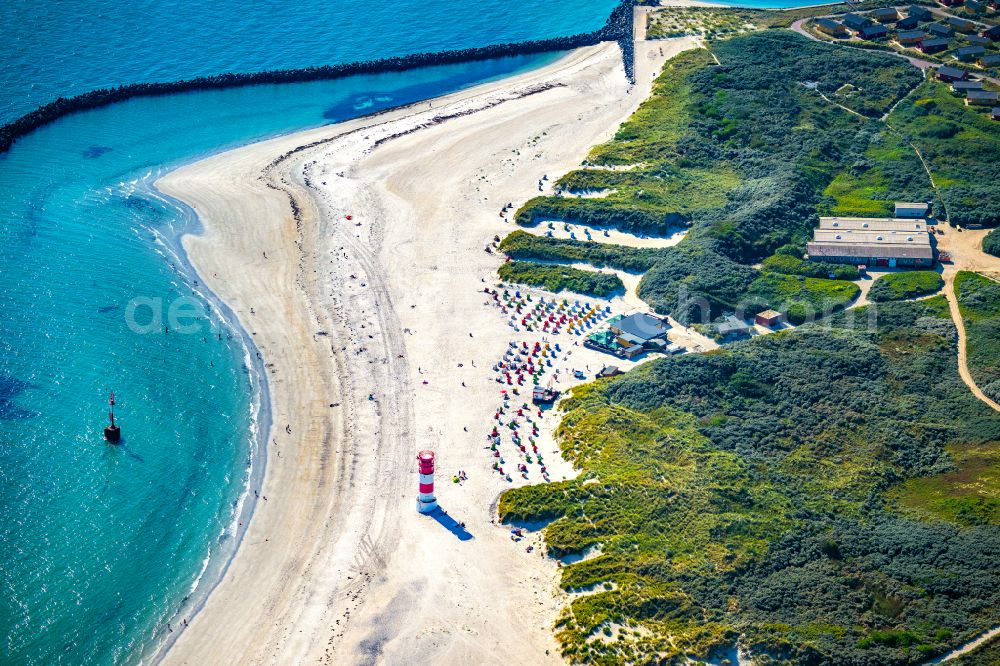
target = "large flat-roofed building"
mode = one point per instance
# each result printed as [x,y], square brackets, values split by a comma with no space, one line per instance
[872,224]
[872,241]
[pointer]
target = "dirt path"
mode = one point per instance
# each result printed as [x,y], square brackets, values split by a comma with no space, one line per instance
[956,316]
[967,254]
[979,641]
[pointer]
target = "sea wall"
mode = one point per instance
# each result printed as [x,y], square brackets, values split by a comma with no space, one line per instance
[617,28]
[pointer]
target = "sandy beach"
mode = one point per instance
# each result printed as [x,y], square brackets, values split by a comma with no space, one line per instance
[354,256]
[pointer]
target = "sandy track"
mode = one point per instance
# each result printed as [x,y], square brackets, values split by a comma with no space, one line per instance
[967,254]
[363,325]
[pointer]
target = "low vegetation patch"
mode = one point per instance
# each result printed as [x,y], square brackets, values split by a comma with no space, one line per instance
[979,302]
[792,265]
[967,495]
[886,171]
[801,298]
[909,284]
[752,492]
[557,278]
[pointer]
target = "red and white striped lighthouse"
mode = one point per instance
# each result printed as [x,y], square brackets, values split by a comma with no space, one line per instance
[426,502]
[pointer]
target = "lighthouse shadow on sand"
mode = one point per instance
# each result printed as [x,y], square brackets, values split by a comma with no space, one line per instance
[451,524]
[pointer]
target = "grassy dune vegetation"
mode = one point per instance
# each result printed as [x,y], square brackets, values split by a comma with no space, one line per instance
[742,153]
[802,298]
[900,286]
[888,170]
[768,491]
[979,302]
[960,144]
[828,495]
[962,147]
[557,278]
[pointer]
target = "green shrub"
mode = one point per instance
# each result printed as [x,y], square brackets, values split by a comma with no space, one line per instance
[558,278]
[909,284]
[524,245]
[790,265]
[991,244]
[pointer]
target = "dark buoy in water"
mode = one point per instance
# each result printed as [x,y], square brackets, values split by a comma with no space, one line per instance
[112,433]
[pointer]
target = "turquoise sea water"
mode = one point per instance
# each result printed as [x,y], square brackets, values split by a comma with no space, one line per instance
[102,546]
[78,45]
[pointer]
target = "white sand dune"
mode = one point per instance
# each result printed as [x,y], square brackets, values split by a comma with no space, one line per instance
[370,326]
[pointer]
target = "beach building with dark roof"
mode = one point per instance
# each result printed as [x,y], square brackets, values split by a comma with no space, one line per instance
[907,23]
[995,113]
[910,37]
[609,371]
[628,336]
[975,6]
[960,24]
[977,40]
[873,31]
[991,60]
[951,74]
[935,45]
[732,326]
[940,30]
[969,53]
[886,15]
[992,33]
[640,326]
[855,21]
[919,13]
[831,27]
[981,98]
[951,3]
[966,86]
[872,241]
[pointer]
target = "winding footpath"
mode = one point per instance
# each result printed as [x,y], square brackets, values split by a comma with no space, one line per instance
[963,366]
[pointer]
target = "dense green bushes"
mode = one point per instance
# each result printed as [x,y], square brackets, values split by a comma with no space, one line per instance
[991,243]
[523,245]
[695,283]
[979,302]
[598,212]
[558,278]
[743,492]
[909,284]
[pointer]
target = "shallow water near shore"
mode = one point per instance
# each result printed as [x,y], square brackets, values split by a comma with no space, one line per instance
[102,545]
